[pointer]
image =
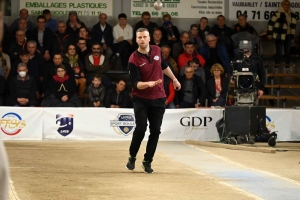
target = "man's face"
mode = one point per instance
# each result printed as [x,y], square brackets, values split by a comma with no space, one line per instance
[102,19]
[41,23]
[96,49]
[61,27]
[122,21]
[22,24]
[23,14]
[31,48]
[20,36]
[194,31]
[25,58]
[157,35]
[47,16]
[22,69]
[120,86]
[189,72]
[211,41]
[189,49]
[194,65]
[143,39]
[286,6]
[203,23]
[146,20]
[166,52]
[81,44]
[242,20]
[73,18]
[221,22]
[57,59]
[185,38]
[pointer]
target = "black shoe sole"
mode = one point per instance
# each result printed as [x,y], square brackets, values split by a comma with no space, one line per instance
[146,171]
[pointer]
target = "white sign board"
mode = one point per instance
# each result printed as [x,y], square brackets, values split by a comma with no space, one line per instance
[21,123]
[258,10]
[58,7]
[179,8]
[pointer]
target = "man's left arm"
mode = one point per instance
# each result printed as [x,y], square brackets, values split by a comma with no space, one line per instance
[262,77]
[167,71]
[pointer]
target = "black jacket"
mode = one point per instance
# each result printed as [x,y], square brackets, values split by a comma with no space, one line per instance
[112,97]
[98,34]
[60,89]
[48,39]
[211,88]
[22,89]
[199,90]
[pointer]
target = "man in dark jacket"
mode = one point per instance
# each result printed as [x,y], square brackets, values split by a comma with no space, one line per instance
[43,37]
[117,97]
[192,93]
[102,33]
[22,88]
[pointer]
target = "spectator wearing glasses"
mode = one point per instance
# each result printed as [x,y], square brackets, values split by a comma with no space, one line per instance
[214,52]
[194,32]
[82,49]
[192,93]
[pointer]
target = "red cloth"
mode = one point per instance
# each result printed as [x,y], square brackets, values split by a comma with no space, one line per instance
[60,80]
[171,96]
[184,58]
[96,60]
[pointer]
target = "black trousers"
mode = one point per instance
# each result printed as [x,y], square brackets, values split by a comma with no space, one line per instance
[153,111]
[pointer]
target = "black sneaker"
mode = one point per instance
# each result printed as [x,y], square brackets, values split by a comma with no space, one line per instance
[146,165]
[131,163]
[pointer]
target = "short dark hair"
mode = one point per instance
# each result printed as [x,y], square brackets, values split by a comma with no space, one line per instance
[96,43]
[194,26]
[188,43]
[97,76]
[40,17]
[46,11]
[145,13]
[121,79]
[122,15]
[194,60]
[220,16]
[243,15]
[204,18]
[61,66]
[24,52]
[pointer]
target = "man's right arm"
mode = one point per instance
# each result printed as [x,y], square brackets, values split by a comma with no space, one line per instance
[136,81]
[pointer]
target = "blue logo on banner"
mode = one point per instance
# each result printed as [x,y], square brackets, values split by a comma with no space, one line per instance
[65,123]
[125,123]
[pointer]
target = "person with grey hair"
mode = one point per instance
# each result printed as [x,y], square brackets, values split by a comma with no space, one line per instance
[4,171]
[23,15]
[17,45]
[214,52]
[22,88]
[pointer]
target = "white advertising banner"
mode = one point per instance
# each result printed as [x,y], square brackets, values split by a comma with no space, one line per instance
[21,123]
[119,124]
[280,120]
[179,8]
[258,10]
[58,7]
[295,126]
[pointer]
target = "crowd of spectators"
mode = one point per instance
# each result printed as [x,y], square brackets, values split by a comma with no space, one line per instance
[53,63]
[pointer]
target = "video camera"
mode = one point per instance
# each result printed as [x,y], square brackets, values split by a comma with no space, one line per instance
[245,77]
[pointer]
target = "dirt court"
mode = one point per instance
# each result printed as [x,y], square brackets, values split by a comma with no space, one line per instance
[95,170]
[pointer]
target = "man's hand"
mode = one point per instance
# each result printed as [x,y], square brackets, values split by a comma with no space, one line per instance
[198,105]
[64,98]
[215,100]
[130,42]
[154,83]
[176,106]
[260,93]
[120,39]
[177,85]
[166,102]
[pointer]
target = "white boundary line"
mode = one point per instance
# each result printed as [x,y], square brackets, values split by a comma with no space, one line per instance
[212,177]
[235,163]
[12,194]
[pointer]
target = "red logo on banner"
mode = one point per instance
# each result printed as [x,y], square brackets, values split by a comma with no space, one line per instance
[12,124]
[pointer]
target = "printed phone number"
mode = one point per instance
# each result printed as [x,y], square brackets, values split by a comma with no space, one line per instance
[266,15]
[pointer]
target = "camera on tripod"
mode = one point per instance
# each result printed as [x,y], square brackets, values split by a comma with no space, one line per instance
[245,78]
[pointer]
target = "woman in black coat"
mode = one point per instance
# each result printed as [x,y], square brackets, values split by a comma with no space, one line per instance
[62,89]
[217,86]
